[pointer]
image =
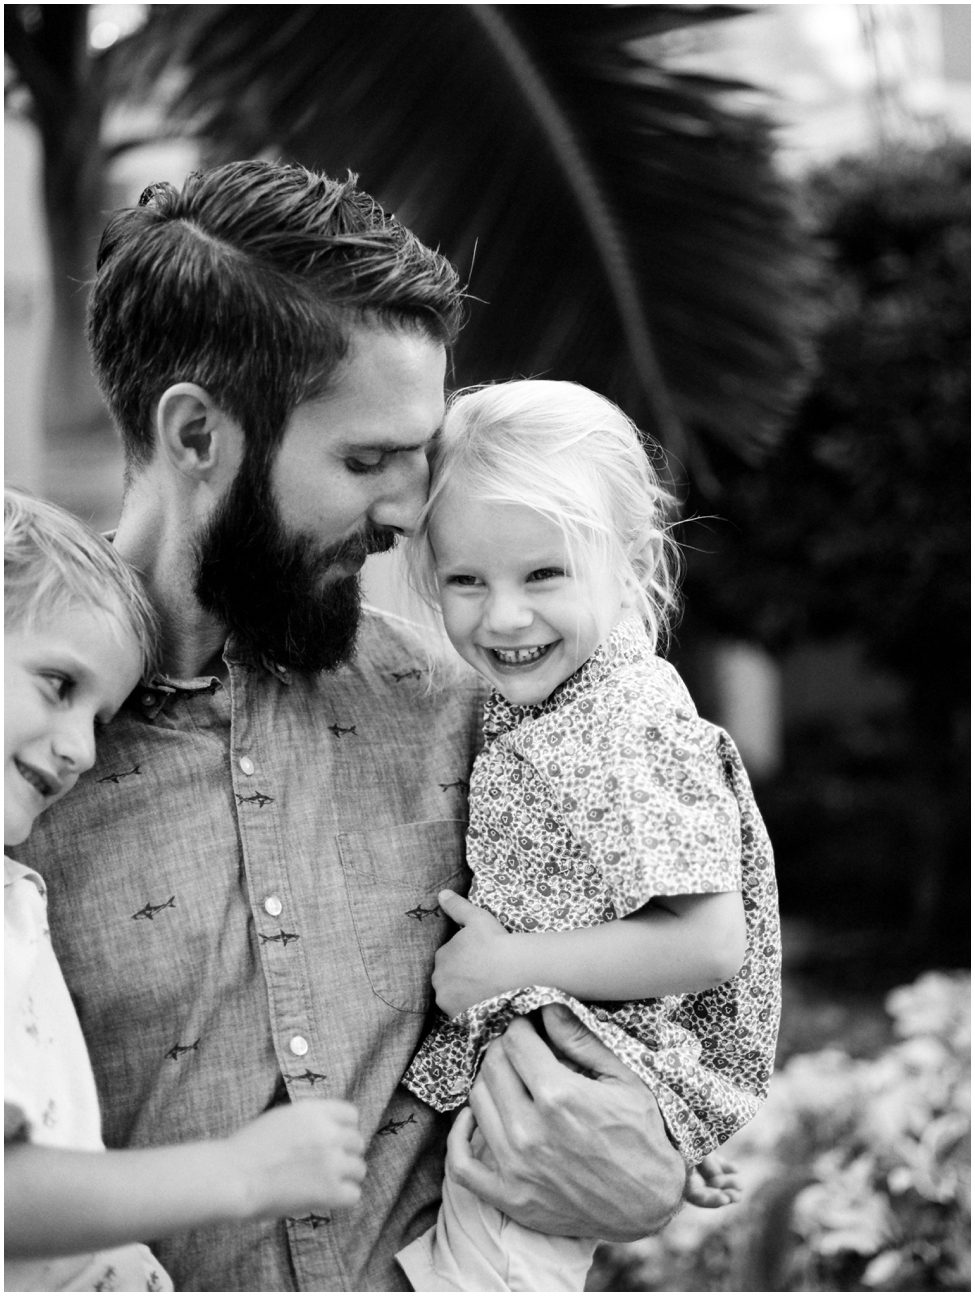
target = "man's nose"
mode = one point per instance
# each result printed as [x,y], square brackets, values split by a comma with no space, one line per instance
[404,494]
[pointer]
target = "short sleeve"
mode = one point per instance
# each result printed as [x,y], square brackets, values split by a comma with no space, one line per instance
[643,788]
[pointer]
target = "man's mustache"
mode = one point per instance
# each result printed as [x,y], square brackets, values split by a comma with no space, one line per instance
[357,548]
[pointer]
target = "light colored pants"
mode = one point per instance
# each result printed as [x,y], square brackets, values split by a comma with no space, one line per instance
[475,1248]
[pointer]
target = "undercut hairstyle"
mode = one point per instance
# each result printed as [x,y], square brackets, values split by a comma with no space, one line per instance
[54,564]
[575,458]
[247,282]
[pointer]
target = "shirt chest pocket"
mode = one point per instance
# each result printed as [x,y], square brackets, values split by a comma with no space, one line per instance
[392,876]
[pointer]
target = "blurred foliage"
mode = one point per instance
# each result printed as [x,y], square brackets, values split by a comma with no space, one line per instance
[857,529]
[619,223]
[51,78]
[857,1172]
[859,522]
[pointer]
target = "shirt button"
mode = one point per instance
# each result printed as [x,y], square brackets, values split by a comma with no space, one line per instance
[298,1046]
[246,764]
[273,905]
[148,699]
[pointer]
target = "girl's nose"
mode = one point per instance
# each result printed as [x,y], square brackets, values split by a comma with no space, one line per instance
[507,611]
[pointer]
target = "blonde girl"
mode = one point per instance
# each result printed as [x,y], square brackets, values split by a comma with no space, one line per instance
[620,865]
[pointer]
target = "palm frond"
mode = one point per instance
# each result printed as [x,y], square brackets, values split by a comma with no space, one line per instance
[619,223]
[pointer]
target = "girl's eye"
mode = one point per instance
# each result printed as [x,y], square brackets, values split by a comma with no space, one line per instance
[546,573]
[462,579]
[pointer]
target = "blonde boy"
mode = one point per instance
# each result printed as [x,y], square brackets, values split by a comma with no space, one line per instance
[78,635]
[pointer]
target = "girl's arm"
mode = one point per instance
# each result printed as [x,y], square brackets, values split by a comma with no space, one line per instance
[673,945]
[292,1160]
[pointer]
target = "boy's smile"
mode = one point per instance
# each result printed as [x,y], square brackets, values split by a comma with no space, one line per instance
[62,676]
[514,604]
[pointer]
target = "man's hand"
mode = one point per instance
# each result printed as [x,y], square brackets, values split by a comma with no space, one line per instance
[471,966]
[558,1150]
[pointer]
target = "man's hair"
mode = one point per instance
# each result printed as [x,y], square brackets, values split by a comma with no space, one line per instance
[247,281]
[574,457]
[54,564]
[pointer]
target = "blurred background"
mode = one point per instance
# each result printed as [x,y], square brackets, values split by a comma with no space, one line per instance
[750,226]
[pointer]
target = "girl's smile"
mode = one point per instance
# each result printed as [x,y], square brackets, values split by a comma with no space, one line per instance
[518,657]
[515,605]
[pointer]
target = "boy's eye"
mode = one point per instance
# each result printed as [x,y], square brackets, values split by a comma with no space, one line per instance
[546,573]
[59,685]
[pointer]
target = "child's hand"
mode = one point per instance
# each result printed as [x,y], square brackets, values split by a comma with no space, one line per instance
[299,1159]
[470,966]
[714,1182]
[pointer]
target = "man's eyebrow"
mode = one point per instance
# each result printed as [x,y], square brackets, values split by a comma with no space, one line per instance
[364,446]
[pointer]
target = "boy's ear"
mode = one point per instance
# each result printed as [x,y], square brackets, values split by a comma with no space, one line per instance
[194,433]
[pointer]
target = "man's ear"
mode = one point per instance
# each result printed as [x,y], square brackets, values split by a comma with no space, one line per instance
[194,433]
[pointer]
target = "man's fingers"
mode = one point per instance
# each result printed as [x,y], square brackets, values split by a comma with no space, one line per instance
[497,1089]
[474,1170]
[572,1039]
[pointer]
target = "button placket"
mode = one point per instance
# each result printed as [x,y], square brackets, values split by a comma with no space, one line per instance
[254,764]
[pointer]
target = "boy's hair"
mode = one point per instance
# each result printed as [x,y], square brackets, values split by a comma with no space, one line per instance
[574,457]
[53,563]
[247,282]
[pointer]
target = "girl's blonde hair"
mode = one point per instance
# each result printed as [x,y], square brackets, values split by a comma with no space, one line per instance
[574,457]
[53,563]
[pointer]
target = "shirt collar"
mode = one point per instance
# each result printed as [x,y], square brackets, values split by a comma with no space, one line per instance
[15,872]
[151,695]
[626,644]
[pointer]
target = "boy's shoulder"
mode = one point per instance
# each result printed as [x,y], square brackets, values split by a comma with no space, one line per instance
[15,873]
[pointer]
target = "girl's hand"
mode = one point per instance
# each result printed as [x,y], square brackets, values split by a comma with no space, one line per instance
[713,1183]
[473,964]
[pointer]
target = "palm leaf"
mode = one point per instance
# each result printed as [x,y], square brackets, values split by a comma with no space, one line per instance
[619,223]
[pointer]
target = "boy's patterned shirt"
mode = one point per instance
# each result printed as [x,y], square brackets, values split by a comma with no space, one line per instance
[581,811]
[49,1096]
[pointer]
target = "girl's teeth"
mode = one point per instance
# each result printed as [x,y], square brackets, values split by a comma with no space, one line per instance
[518,656]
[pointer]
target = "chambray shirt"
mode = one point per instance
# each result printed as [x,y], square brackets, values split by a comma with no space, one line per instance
[243,898]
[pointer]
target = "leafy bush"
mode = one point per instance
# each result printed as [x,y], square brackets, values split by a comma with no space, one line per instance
[856,1172]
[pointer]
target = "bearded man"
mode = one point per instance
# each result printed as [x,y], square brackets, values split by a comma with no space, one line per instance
[243,890]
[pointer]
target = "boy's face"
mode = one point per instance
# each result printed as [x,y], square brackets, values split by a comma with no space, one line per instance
[514,605]
[61,678]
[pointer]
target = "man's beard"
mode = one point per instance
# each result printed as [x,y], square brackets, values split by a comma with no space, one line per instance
[270,589]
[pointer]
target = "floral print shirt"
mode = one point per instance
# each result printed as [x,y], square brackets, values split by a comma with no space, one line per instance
[583,809]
